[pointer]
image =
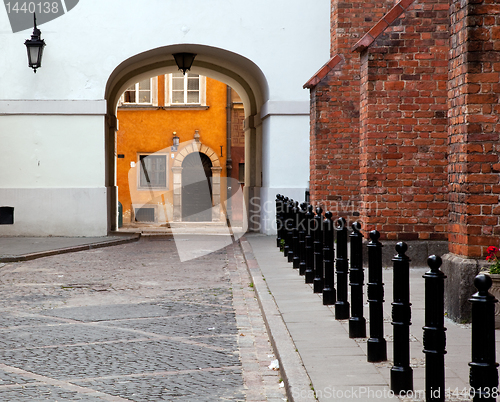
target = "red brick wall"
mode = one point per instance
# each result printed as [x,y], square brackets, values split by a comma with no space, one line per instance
[407,132]
[334,160]
[474,126]
[404,126]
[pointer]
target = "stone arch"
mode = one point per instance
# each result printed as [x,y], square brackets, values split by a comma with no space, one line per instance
[233,69]
[197,146]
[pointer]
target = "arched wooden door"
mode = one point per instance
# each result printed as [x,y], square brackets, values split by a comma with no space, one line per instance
[196,188]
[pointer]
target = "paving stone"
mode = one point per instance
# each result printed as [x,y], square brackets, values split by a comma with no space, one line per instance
[132,323]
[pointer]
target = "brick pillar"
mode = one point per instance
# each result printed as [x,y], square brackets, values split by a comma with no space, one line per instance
[404,72]
[334,161]
[473,139]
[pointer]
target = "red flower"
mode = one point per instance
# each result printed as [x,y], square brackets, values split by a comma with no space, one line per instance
[492,250]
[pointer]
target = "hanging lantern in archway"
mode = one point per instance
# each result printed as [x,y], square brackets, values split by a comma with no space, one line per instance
[184,61]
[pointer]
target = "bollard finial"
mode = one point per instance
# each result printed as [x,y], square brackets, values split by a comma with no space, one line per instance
[310,208]
[482,283]
[356,226]
[328,215]
[401,248]
[374,236]
[341,223]
[319,211]
[434,262]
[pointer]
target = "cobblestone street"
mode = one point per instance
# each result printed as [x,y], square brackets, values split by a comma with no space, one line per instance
[133,323]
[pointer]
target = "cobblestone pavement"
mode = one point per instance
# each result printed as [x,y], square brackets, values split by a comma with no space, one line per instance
[133,323]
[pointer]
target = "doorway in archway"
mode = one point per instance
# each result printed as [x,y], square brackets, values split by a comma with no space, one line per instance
[196,188]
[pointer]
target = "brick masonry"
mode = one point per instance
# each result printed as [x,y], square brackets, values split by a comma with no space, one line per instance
[334,162]
[473,126]
[405,127]
[404,124]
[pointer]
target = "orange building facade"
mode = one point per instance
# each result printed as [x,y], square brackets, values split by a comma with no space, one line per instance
[179,137]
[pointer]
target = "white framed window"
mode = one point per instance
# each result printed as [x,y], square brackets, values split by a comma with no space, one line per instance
[141,93]
[185,89]
[152,171]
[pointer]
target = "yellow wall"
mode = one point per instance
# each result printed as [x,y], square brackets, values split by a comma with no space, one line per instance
[150,130]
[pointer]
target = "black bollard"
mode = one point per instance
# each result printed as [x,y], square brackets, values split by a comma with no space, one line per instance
[434,331]
[286,216]
[318,252]
[295,237]
[329,294]
[310,229]
[342,267]
[483,367]
[401,372]
[291,231]
[278,220]
[288,252]
[376,344]
[302,238]
[357,323]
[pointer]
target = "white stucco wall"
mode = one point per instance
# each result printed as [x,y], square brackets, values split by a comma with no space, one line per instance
[55,146]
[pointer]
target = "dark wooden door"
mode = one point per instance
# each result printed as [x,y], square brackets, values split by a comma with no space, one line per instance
[197,188]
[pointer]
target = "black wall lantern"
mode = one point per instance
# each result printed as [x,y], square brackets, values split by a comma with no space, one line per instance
[35,47]
[184,61]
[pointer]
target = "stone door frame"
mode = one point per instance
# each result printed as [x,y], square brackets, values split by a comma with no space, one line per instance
[197,146]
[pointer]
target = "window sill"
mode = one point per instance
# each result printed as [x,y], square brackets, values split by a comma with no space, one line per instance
[138,106]
[185,107]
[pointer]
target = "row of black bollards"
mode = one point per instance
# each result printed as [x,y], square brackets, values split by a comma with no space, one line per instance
[308,241]
[307,238]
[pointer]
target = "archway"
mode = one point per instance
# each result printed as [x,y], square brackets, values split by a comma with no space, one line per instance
[230,68]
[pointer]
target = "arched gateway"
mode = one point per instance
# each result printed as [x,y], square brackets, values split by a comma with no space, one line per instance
[232,69]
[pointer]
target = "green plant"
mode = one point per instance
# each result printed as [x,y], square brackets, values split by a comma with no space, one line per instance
[493,258]
[282,244]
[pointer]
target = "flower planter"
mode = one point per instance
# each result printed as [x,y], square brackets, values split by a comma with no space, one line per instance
[495,291]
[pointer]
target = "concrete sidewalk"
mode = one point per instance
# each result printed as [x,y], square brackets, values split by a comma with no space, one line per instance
[13,249]
[314,349]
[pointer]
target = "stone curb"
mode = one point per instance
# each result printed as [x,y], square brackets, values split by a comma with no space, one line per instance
[72,249]
[292,368]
